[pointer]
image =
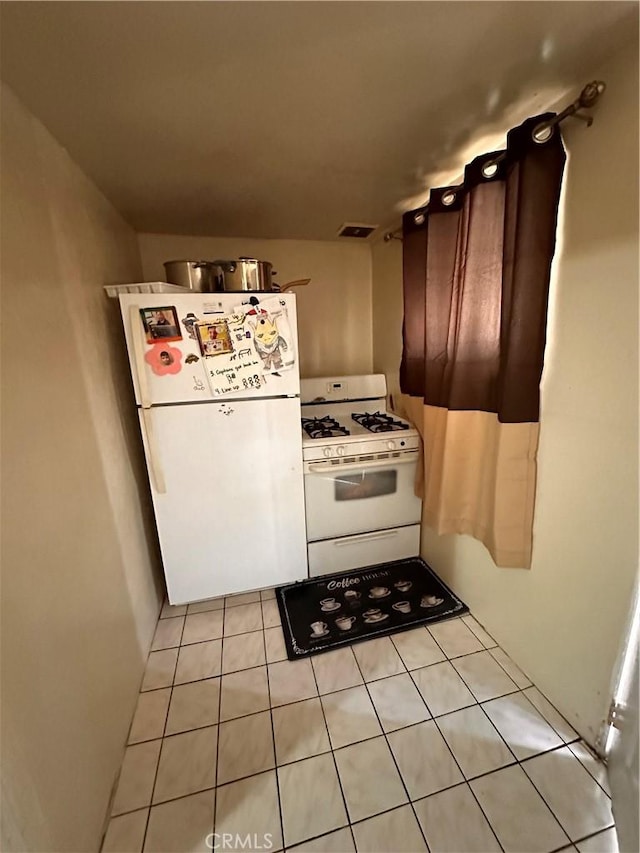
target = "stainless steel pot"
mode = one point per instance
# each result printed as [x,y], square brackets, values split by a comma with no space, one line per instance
[248,274]
[196,275]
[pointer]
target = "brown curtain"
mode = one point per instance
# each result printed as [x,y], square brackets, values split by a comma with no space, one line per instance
[476,267]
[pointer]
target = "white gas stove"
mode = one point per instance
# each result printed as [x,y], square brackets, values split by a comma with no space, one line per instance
[359,465]
[346,416]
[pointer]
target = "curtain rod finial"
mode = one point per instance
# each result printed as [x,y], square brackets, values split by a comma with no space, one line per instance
[591,93]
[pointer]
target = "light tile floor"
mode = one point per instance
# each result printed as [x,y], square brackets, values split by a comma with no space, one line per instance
[431,739]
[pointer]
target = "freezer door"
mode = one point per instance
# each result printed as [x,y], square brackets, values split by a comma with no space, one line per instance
[194,347]
[227,486]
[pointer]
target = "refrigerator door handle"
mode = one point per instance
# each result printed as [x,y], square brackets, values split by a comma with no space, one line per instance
[138,353]
[153,460]
[155,468]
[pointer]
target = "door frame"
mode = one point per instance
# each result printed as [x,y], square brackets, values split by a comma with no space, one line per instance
[622,677]
[618,738]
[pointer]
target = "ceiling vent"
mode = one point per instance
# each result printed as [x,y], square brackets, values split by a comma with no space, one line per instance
[356,229]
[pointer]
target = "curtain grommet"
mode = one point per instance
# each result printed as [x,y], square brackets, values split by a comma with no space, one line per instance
[542,133]
[419,218]
[489,170]
[448,198]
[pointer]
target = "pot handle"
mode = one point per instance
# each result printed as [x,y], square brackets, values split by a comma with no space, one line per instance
[227,266]
[299,282]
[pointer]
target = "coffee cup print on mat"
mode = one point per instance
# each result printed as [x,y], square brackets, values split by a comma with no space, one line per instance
[319,629]
[352,595]
[375,615]
[402,606]
[379,592]
[431,601]
[329,604]
[345,622]
[403,586]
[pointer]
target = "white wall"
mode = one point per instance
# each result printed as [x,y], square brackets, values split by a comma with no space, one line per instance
[562,620]
[334,310]
[80,594]
[387,313]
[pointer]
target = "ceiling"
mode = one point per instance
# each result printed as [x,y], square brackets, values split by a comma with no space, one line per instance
[286,119]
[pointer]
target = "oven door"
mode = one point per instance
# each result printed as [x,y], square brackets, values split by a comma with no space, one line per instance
[342,498]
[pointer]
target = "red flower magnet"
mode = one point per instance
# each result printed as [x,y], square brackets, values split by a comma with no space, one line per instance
[164,359]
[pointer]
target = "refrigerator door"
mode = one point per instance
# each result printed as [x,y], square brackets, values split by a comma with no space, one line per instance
[227,487]
[194,347]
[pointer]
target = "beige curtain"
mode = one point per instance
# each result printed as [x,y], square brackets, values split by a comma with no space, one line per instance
[476,268]
[478,477]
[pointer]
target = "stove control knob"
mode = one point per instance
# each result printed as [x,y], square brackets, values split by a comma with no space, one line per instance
[391,445]
[327,452]
[340,450]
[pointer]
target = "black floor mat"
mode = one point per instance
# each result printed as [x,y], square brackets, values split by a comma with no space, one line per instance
[328,612]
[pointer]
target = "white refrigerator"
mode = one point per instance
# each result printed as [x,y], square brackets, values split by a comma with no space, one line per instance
[217,387]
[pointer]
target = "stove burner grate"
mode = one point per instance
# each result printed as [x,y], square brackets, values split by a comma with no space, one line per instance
[378,422]
[326,427]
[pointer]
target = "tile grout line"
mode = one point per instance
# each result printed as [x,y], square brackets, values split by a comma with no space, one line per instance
[598,760]
[114,790]
[215,789]
[491,723]
[465,781]
[595,834]
[170,800]
[333,756]
[540,714]
[386,740]
[362,740]
[258,666]
[226,784]
[564,744]
[470,689]
[459,784]
[116,783]
[530,684]
[228,599]
[374,681]
[470,615]
[420,799]
[397,808]
[166,717]
[328,832]
[517,762]
[448,659]
[351,825]
[480,705]
[164,686]
[346,646]
[542,797]
[273,732]
[462,773]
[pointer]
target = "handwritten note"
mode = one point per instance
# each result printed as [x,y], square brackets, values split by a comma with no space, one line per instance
[239,368]
[241,350]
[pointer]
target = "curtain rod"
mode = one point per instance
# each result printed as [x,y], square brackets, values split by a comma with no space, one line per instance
[543,131]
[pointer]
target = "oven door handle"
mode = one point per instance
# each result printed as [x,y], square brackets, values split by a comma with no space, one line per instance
[321,468]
